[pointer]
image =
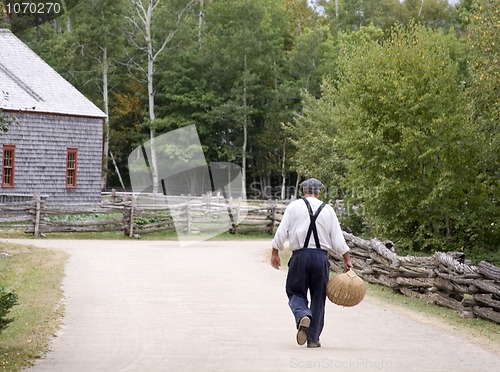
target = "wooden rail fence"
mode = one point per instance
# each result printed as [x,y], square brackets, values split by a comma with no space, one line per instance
[141,214]
[446,279]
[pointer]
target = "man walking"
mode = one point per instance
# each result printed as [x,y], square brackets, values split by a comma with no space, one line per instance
[312,228]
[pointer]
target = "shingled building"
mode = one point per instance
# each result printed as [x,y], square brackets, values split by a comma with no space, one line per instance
[54,145]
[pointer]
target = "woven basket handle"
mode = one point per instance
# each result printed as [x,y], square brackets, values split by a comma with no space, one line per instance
[351,274]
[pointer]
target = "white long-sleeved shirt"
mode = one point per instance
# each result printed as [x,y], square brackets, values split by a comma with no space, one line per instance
[296,222]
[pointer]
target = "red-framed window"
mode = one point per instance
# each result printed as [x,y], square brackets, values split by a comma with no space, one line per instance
[71,166]
[8,159]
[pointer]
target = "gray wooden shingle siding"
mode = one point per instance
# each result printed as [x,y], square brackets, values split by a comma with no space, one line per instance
[51,115]
[41,142]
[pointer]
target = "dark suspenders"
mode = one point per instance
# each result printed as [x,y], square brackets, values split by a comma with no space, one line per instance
[312,226]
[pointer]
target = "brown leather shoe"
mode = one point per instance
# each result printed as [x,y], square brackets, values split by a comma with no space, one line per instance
[304,324]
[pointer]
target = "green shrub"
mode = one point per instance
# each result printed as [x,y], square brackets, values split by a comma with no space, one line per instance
[7,301]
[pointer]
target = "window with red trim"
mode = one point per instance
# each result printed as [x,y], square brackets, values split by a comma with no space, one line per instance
[8,157]
[71,164]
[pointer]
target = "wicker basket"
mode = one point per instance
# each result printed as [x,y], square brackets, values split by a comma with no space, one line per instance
[346,289]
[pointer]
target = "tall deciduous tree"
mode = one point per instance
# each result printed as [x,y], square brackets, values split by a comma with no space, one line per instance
[4,119]
[400,117]
[431,13]
[351,15]
[4,122]
[244,50]
[98,27]
[151,38]
[483,35]
[311,132]
[404,119]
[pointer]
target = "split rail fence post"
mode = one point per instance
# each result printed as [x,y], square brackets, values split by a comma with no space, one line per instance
[188,215]
[236,220]
[132,207]
[38,204]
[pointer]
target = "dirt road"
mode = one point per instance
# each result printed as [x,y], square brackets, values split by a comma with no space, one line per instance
[218,306]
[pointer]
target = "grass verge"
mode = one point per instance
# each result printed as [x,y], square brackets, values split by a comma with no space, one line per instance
[35,274]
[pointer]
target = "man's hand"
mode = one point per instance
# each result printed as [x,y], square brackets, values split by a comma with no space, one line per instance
[347,262]
[275,259]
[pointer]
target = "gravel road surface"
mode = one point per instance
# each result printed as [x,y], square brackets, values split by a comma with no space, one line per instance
[219,306]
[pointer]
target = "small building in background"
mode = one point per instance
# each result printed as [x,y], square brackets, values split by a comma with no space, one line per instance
[54,144]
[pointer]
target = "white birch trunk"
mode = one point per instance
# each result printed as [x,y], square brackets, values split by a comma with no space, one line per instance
[245,133]
[297,183]
[105,99]
[151,94]
[283,175]
[421,6]
[145,16]
[69,24]
[200,20]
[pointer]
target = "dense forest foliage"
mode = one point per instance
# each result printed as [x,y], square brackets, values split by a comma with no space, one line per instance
[392,104]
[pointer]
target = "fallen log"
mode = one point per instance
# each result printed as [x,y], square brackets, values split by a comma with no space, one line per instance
[488,286]
[487,299]
[416,262]
[354,241]
[412,293]
[469,302]
[380,270]
[380,259]
[489,270]
[406,273]
[446,301]
[379,247]
[449,261]
[487,313]
[415,282]
[450,287]
[462,279]
[380,279]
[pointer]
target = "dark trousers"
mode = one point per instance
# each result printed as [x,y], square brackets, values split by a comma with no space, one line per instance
[308,270]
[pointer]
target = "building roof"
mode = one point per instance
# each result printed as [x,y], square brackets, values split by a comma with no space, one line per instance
[29,84]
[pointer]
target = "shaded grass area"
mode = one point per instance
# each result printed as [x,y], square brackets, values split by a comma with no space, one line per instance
[478,330]
[36,275]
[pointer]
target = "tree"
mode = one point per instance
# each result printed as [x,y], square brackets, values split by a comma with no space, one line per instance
[99,46]
[431,13]
[203,83]
[87,53]
[482,37]
[351,15]
[305,58]
[317,152]
[5,120]
[403,125]
[311,131]
[244,44]
[151,39]
[407,136]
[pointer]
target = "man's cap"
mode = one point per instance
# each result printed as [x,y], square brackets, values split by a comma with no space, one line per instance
[312,184]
